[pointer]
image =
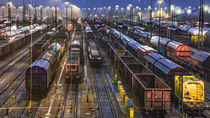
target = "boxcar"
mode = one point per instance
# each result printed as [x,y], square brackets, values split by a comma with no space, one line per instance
[43,71]
[201,63]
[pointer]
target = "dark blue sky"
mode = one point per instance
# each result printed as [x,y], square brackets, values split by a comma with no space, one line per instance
[105,3]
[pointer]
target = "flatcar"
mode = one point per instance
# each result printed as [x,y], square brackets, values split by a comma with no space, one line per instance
[42,71]
[93,54]
[73,62]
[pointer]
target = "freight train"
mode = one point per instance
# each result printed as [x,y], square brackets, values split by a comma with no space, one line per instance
[176,51]
[16,38]
[41,73]
[171,73]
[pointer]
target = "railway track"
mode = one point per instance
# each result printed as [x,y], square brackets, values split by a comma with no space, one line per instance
[8,88]
[103,98]
[11,61]
[64,101]
[76,101]
[13,81]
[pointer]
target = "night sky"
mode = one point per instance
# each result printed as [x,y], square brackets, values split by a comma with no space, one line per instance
[105,3]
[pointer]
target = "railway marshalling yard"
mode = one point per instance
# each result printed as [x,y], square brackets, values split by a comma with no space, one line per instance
[85,66]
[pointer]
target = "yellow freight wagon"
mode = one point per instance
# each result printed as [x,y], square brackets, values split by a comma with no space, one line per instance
[193,90]
[194,39]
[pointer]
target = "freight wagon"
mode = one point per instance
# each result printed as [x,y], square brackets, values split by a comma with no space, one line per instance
[42,71]
[115,51]
[103,36]
[153,94]
[201,63]
[39,47]
[94,54]
[89,34]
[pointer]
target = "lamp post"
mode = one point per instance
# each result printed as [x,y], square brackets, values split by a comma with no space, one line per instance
[129,8]
[40,8]
[30,13]
[9,4]
[117,7]
[138,12]
[66,12]
[189,12]
[3,7]
[109,8]
[159,1]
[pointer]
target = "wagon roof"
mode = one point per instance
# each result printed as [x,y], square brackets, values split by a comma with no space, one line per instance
[146,48]
[201,56]
[166,65]
[75,43]
[174,44]
[41,63]
[155,39]
[152,57]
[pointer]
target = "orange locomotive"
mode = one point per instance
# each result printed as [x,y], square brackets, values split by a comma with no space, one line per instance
[73,62]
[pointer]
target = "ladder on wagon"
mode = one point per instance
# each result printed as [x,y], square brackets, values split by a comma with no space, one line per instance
[180,104]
